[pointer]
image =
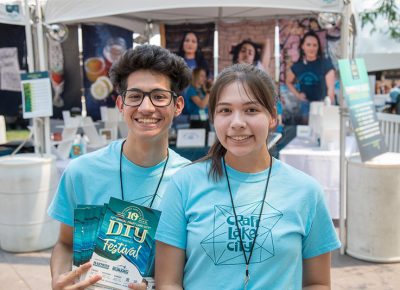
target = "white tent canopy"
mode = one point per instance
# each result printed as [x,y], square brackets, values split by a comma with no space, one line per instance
[135,14]
[379,51]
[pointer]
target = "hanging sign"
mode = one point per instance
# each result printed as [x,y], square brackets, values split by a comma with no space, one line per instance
[10,13]
[361,107]
[36,95]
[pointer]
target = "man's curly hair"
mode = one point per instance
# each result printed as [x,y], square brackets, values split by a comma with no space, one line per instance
[153,58]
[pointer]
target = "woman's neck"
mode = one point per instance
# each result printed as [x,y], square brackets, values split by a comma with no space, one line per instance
[249,164]
[190,55]
[311,58]
[146,153]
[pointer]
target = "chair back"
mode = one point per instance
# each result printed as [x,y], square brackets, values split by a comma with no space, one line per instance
[390,128]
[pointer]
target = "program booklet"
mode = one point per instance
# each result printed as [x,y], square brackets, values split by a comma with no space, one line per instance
[125,245]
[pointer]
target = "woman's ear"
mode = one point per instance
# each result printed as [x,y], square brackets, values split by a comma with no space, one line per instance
[274,119]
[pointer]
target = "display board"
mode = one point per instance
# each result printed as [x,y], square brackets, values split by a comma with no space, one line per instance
[362,111]
[36,95]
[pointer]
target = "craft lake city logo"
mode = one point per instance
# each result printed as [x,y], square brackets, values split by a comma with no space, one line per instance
[223,246]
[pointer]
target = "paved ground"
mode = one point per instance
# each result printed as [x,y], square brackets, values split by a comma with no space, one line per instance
[25,271]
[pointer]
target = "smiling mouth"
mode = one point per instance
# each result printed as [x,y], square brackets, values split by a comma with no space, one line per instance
[239,138]
[147,120]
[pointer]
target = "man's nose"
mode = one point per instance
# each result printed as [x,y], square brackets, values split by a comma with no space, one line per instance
[146,105]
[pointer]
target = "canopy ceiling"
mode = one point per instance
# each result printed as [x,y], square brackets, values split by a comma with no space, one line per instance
[123,12]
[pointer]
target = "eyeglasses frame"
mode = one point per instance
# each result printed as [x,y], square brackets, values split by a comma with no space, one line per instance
[123,93]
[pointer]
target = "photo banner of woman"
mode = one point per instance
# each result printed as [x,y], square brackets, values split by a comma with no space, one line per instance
[102,45]
[291,34]
[194,42]
[259,33]
[12,39]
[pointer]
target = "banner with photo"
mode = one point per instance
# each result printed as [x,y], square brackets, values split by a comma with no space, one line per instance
[259,33]
[102,45]
[174,38]
[12,63]
[291,33]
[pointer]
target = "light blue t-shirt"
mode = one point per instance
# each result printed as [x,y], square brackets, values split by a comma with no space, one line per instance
[197,217]
[94,177]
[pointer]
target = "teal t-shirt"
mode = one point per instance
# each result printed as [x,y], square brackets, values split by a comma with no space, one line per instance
[197,217]
[94,177]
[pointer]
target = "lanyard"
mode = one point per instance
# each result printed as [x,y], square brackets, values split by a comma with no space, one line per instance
[120,175]
[247,260]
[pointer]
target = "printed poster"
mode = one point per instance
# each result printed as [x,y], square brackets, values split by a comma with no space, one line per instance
[36,95]
[361,107]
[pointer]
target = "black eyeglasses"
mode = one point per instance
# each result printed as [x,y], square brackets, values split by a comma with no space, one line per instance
[158,97]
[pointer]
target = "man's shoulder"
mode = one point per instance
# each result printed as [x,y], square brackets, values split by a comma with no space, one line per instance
[94,160]
[177,160]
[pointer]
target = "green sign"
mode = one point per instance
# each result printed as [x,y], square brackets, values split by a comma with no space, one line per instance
[361,107]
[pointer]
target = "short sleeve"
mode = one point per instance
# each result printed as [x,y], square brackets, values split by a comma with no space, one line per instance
[64,201]
[321,237]
[172,226]
[295,69]
[191,92]
[328,65]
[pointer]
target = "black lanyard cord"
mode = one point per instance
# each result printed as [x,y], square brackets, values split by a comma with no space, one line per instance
[120,175]
[247,261]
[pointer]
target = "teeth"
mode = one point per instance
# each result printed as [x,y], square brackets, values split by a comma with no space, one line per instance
[148,121]
[239,138]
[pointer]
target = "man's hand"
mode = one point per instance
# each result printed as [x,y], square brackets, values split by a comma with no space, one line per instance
[67,280]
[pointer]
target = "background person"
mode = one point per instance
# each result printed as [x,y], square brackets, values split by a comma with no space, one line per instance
[314,74]
[191,52]
[240,218]
[148,79]
[246,52]
[196,100]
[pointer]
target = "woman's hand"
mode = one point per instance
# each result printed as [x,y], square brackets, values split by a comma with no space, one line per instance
[138,286]
[301,96]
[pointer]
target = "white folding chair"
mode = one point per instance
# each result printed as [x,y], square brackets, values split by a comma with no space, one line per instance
[390,128]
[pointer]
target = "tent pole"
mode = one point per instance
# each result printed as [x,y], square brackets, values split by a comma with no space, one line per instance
[216,48]
[343,118]
[28,35]
[45,126]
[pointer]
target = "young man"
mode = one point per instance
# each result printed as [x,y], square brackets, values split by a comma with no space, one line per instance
[149,80]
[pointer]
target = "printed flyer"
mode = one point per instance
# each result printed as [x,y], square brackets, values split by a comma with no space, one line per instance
[124,246]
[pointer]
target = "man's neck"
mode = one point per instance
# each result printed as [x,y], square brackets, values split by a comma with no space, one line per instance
[146,153]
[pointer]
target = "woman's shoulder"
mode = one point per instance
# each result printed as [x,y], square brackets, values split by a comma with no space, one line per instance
[297,177]
[193,172]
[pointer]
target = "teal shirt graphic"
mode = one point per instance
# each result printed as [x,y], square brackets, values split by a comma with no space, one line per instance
[94,177]
[197,216]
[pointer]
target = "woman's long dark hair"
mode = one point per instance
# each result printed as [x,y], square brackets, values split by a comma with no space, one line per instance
[236,49]
[310,34]
[199,57]
[257,84]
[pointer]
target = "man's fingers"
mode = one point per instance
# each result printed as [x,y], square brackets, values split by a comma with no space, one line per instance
[75,274]
[85,283]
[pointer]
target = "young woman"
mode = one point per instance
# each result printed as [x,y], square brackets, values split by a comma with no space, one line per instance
[246,52]
[191,52]
[240,219]
[315,75]
[196,100]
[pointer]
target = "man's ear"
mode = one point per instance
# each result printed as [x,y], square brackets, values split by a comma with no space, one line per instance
[119,103]
[179,105]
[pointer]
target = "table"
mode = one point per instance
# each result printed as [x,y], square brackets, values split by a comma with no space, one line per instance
[323,165]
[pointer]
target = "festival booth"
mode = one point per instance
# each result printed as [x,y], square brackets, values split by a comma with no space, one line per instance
[150,17]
